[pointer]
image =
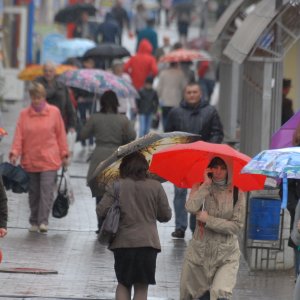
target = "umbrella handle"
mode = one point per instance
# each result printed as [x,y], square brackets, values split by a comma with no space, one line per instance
[284,192]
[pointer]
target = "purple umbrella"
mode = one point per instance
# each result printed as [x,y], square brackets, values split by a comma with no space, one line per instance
[283,137]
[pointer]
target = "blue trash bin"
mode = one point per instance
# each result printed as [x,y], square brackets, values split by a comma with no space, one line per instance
[264,219]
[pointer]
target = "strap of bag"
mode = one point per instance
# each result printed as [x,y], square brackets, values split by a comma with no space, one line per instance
[117,191]
[235,195]
[62,177]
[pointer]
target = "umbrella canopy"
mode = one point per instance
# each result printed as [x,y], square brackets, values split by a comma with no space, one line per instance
[184,165]
[107,51]
[279,163]
[108,170]
[284,136]
[182,55]
[72,48]
[98,81]
[71,13]
[33,71]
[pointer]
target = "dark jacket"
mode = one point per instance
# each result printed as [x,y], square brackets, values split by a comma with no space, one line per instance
[3,206]
[147,103]
[203,119]
[58,95]
[287,110]
[149,34]
[142,202]
[108,31]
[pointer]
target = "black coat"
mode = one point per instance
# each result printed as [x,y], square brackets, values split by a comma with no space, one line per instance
[202,119]
[147,103]
[3,206]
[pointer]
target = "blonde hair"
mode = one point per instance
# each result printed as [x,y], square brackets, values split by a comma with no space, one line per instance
[36,90]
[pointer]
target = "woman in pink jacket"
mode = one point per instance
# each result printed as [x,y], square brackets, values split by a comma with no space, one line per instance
[41,144]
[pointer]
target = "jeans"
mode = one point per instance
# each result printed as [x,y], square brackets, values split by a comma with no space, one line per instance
[83,108]
[165,112]
[207,87]
[180,212]
[145,124]
[297,261]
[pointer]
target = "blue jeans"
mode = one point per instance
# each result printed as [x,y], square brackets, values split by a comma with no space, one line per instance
[180,212]
[145,124]
[207,87]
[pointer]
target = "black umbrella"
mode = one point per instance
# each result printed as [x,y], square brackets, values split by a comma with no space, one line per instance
[71,13]
[108,170]
[107,51]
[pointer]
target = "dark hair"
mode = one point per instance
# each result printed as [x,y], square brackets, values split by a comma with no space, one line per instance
[134,166]
[149,80]
[286,83]
[109,102]
[217,161]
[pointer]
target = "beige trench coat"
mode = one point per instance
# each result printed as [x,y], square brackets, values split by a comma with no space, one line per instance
[212,257]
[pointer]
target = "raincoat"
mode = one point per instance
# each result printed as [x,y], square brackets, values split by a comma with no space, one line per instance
[141,65]
[212,257]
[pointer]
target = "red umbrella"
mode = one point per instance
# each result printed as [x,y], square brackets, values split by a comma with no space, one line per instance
[182,55]
[184,164]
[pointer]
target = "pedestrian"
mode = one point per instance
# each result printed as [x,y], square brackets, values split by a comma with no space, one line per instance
[58,94]
[141,65]
[193,116]
[149,34]
[143,201]
[147,105]
[287,110]
[171,84]
[108,31]
[110,130]
[41,144]
[212,258]
[120,14]
[295,236]
[84,28]
[292,202]
[140,18]
[3,211]
[127,105]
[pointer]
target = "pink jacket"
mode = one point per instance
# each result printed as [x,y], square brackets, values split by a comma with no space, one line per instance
[40,139]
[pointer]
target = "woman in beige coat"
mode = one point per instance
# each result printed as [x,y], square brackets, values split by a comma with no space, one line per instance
[143,201]
[212,258]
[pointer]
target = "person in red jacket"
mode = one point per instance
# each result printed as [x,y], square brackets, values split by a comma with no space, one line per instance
[141,65]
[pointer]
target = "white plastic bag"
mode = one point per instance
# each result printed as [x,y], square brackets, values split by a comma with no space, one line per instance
[66,185]
[71,139]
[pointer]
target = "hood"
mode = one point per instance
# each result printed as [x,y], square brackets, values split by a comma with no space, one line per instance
[229,164]
[109,16]
[145,47]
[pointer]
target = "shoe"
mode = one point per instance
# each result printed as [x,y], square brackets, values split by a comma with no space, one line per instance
[33,228]
[43,228]
[178,234]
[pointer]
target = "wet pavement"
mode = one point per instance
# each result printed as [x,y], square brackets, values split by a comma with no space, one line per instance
[85,268]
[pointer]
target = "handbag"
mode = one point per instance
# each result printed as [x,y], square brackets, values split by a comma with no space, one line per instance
[61,203]
[110,224]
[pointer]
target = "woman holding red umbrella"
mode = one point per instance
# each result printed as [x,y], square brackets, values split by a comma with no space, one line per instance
[212,258]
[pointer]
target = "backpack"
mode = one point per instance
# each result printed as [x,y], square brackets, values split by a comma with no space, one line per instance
[110,224]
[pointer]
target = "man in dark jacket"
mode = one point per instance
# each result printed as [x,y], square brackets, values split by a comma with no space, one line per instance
[193,116]
[58,95]
[108,31]
[287,110]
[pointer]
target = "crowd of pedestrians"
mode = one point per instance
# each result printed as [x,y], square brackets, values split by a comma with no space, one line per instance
[40,143]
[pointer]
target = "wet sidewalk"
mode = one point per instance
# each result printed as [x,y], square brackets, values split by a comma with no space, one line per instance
[85,268]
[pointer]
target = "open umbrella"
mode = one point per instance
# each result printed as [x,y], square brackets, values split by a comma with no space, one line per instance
[184,165]
[98,81]
[33,71]
[71,13]
[107,51]
[284,136]
[108,170]
[72,48]
[279,163]
[182,55]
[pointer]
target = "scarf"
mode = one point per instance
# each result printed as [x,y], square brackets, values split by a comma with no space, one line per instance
[39,108]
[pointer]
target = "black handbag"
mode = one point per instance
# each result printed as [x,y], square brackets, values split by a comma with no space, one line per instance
[61,203]
[110,224]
